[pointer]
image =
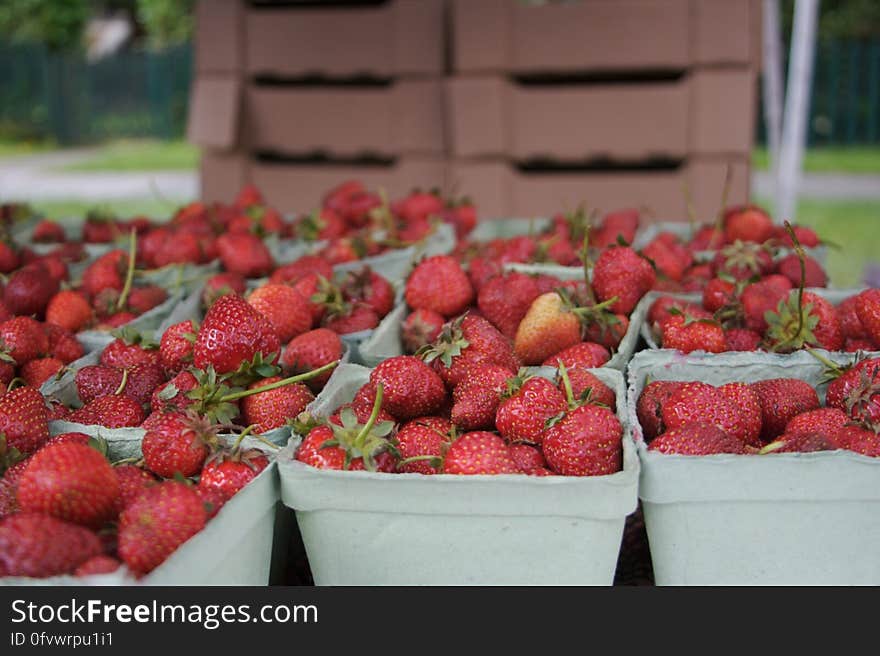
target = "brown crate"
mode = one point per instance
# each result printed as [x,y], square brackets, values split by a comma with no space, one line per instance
[499,189]
[599,35]
[214,111]
[396,38]
[221,175]
[218,35]
[300,187]
[404,118]
[707,111]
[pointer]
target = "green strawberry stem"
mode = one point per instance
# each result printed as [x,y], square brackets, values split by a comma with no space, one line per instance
[374,414]
[123,383]
[719,221]
[585,258]
[798,249]
[833,368]
[584,312]
[689,204]
[566,382]
[15,382]
[280,383]
[262,439]
[129,274]
[775,445]
[247,431]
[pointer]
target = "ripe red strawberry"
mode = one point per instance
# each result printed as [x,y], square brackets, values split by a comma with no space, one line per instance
[176,346]
[850,325]
[852,345]
[844,391]
[143,379]
[23,339]
[697,402]
[180,247]
[221,284]
[63,344]
[107,272]
[718,293]
[650,406]
[620,272]
[293,272]
[349,445]
[824,421]
[747,223]
[476,399]
[38,371]
[741,339]
[352,319]
[116,320]
[178,443]
[232,333]
[504,300]
[94,381]
[244,254]
[113,411]
[743,260]
[670,257]
[743,397]
[438,283]
[98,565]
[419,329]
[69,309]
[411,388]
[523,415]
[688,334]
[285,308]
[790,267]
[69,481]
[585,385]
[477,453]
[64,438]
[362,404]
[806,236]
[24,423]
[819,326]
[528,458]
[161,519]
[859,439]
[39,546]
[696,439]
[132,481]
[800,442]
[585,442]
[423,436]
[587,355]
[129,350]
[274,408]
[757,299]
[9,258]
[143,299]
[367,286]
[781,400]
[467,343]
[212,500]
[29,290]
[229,471]
[310,351]
[867,305]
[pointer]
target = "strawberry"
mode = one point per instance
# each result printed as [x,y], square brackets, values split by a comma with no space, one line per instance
[800,442]
[69,309]
[806,236]
[24,423]
[744,397]
[665,307]
[857,392]
[181,247]
[212,500]
[155,524]
[867,306]
[69,481]
[23,339]
[476,399]
[718,293]
[481,270]
[368,287]
[132,481]
[113,411]
[143,379]
[9,258]
[804,320]
[411,388]
[63,344]
[504,300]
[650,405]
[781,400]
[758,299]
[107,272]
[273,408]
[859,439]
[587,355]
[221,284]
[586,386]
[529,404]
[697,402]
[362,404]
[748,223]
[688,334]
[310,351]
[244,254]
[129,349]
[696,439]
[789,266]
[293,272]
[38,371]
[527,457]
[285,308]
[352,319]
[622,274]
[145,298]
[743,260]
[228,472]
[64,438]
[671,258]
[232,334]
[547,328]
[585,442]
[479,452]
[438,283]
[421,437]
[614,226]
[419,329]
[29,290]
[176,346]
[741,339]
[320,224]
[178,443]
[850,325]
[101,564]
[40,546]
[94,381]
[824,421]
[852,345]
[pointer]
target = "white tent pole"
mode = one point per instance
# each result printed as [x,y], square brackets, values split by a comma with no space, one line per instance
[797,104]
[772,78]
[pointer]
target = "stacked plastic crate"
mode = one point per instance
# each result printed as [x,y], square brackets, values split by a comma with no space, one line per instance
[298,97]
[610,102]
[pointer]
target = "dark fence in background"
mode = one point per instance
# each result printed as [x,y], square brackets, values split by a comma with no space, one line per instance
[145,94]
[132,94]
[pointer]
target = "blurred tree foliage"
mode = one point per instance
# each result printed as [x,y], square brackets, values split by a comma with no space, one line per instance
[166,22]
[839,19]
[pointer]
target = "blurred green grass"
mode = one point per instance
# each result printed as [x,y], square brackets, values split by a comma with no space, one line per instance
[836,159]
[124,208]
[140,155]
